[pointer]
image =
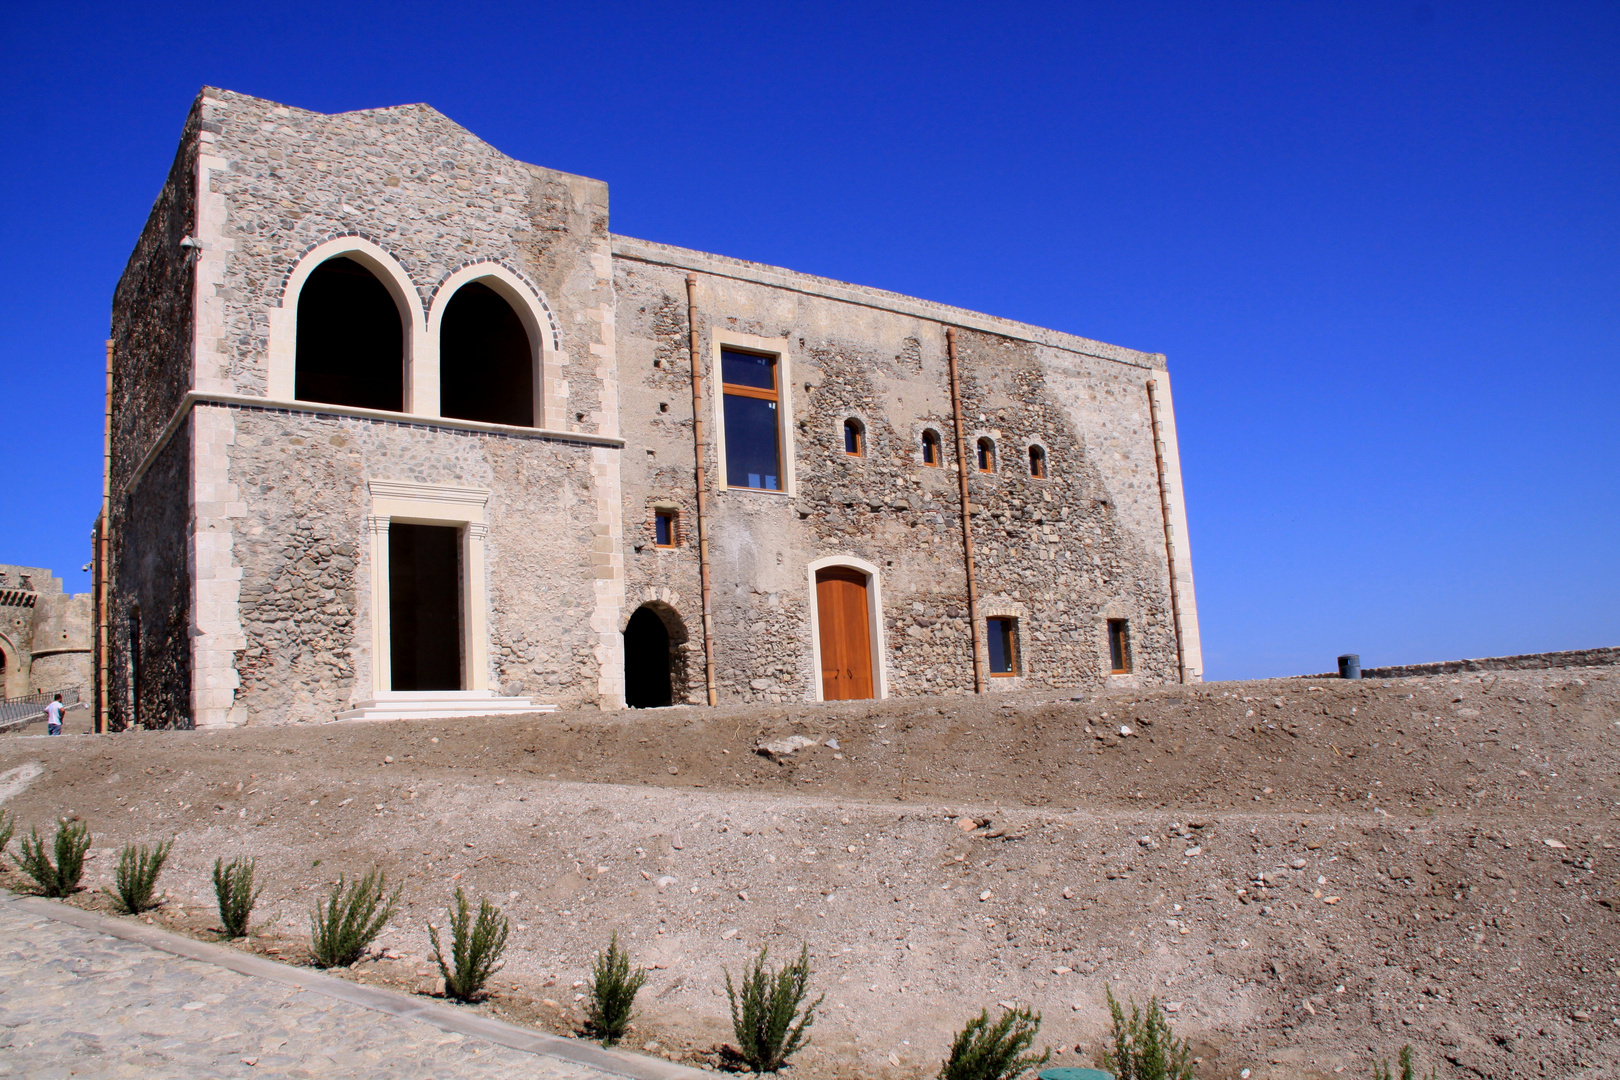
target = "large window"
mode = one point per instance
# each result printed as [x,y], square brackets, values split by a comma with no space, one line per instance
[753,420]
[1003,645]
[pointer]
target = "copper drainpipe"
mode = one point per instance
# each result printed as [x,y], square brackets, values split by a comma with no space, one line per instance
[702,489]
[962,459]
[1169,530]
[102,547]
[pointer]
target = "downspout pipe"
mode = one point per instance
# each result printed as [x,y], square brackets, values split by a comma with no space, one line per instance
[103,548]
[1169,529]
[701,482]
[962,459]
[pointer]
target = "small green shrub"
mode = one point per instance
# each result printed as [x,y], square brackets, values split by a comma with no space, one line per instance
[986,1051]
[136,877]
[763,1019]
[351,919]
[235,894]
[475,948]
[613,993]
[1144,1047]
[8,826]
[1381,1072]
[60,878]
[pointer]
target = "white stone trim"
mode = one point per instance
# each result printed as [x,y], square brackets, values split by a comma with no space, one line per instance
[281,363]
[216,624]
[777,347]
[209,364]
[607,577]
[550,391]
[430,504]
[874,608]
[1192,650]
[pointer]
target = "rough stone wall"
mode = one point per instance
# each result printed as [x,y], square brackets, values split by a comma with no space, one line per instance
[152,573]
[61,641]
[425,189]
[152,332]
[306,557]
[1062,554]
[23,589]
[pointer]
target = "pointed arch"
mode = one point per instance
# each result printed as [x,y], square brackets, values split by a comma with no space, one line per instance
[533,313]
[281,376]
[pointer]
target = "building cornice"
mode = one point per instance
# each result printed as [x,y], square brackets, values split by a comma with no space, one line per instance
[195,398]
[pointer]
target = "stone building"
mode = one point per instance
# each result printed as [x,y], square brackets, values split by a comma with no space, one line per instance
[401,427]
[44,633]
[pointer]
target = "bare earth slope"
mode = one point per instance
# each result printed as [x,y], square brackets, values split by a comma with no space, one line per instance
[1313,873]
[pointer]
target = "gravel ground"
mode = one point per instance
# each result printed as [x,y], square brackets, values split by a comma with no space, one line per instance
[1311,873]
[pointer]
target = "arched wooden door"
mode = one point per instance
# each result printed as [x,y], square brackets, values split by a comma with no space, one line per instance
[845,632]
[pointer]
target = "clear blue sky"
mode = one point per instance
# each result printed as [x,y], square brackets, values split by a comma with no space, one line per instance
[1380,243]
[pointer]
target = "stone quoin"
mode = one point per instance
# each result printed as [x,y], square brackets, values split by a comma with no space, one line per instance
[400,427]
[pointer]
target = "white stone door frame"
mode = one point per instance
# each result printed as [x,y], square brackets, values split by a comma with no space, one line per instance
[874,617]
[430,504]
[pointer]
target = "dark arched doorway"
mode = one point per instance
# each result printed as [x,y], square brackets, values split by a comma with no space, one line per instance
[647,683]
[351,340]
[486,364]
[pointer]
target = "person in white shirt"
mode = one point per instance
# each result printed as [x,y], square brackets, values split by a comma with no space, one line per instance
[53,717]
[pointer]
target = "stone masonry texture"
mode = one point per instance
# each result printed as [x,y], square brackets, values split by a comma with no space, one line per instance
[241,532]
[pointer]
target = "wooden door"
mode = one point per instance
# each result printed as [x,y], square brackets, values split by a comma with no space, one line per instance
[846,635]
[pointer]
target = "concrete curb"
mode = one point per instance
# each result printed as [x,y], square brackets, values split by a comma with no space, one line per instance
[391,1002]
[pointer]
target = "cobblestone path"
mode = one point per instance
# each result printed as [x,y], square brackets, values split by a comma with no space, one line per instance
[74,1002]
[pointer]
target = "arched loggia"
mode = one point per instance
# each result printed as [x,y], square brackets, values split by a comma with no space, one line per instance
[351,339]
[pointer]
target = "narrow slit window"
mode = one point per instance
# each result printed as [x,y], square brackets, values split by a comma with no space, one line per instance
[1119,647]
[1003,642]
[987,456]
[854,438]
[752,412]
[664,533]
[931,447]
[1037,462]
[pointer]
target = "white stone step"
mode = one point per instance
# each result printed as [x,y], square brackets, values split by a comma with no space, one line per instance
[441,705]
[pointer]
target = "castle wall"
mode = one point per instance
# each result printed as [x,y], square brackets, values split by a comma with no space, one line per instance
[1062,554]
[306,598]
[245,523]
[149,653]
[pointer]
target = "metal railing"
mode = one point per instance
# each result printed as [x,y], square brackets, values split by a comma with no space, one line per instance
[17,711]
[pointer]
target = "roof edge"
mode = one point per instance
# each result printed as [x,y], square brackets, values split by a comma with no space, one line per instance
[650,251]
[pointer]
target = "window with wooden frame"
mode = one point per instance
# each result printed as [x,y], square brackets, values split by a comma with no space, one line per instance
[1119,647]
[854,438]
[1003,644]
[753,419]
[986,455]
[666,531]
[931,447]
[1037,462]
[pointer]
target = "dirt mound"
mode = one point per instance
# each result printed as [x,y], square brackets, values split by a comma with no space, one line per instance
[1312,873]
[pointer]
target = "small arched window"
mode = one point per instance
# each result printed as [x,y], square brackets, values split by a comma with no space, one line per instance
[1037,462]
[854,438]
[931,449]
[987,455]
